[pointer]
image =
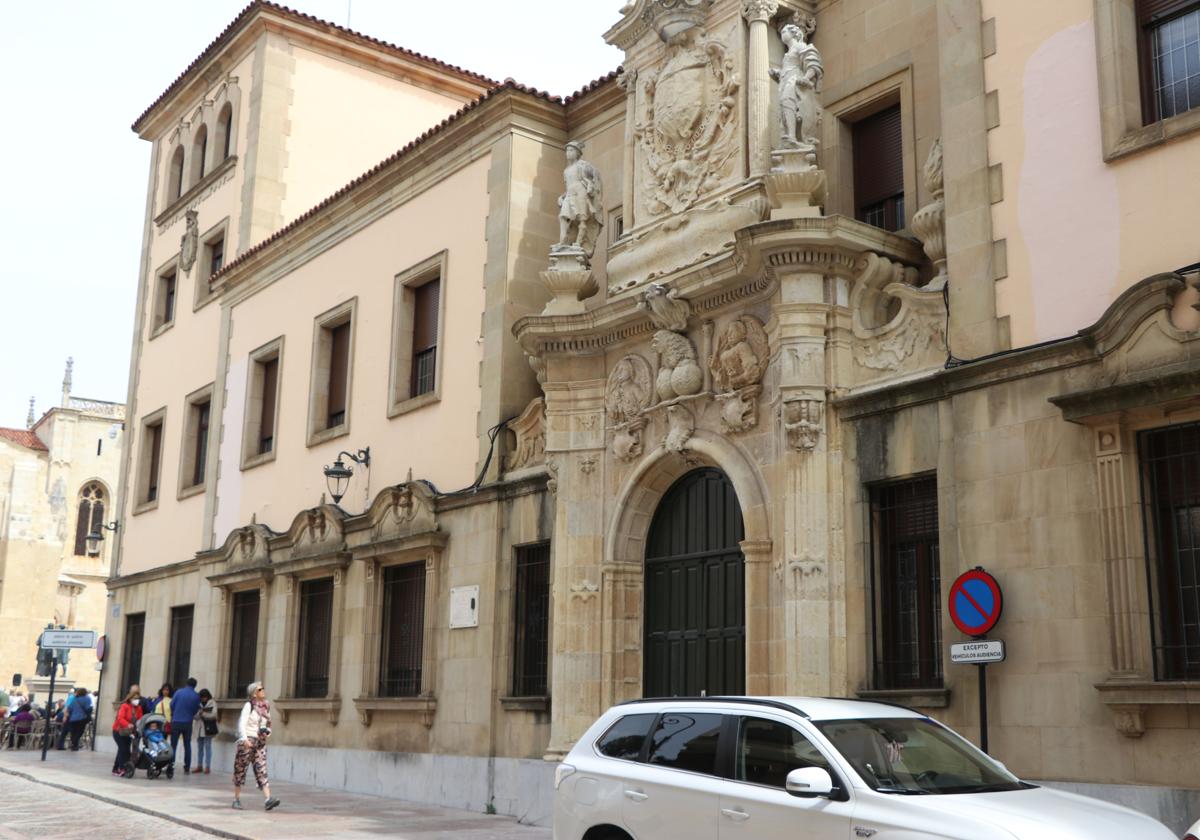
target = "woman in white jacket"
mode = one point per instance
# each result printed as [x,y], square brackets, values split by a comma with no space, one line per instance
[253,730]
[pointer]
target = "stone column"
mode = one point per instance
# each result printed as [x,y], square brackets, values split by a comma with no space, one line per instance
[628,82]
[758,615]
[758,14]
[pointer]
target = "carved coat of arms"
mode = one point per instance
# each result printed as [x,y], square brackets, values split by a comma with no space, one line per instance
[687,131]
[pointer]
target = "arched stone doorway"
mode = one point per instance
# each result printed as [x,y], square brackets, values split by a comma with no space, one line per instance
[695,605]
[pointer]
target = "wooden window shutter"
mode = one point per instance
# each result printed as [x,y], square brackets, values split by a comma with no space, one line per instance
[155,432]
[339,368]
[425,316]
[1150,11]
[266,431]
[878,158]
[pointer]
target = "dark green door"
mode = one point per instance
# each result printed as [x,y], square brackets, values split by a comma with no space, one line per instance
[695,637]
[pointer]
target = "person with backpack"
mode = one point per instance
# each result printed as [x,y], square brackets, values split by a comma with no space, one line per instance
[254,728]
[208,731]
[124,726]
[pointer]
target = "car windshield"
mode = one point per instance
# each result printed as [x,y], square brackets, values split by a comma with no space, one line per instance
[914,756]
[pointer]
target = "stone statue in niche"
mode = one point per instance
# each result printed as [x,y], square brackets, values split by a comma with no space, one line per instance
[189,243]
[629,391]
[679,372]
[581,206]
[799,78]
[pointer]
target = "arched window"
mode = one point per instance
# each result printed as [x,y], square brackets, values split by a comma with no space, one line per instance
[176,174]
[199,153]
[225,130]
[91,515]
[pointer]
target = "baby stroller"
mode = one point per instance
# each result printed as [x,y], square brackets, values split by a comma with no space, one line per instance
[153,757]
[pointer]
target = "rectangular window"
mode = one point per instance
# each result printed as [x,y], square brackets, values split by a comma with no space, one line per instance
[179,648]
[403,642]
[417,313]
[201,449]
[531,621]
[215,254]
[164,299]
[194,452]
[879,169]
[906,579]
[1169,52]
[131,657]
[150,462]
[316,628]
[425,336]
[332,373]
[339,370]
[243,642]
[269,370]
[261,419]
[1170,467]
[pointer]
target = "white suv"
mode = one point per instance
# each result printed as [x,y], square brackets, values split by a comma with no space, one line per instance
[801,768]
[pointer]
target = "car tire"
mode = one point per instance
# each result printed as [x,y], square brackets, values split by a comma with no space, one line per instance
[606,833]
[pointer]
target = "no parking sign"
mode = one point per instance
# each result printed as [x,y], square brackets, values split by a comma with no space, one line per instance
[975,602]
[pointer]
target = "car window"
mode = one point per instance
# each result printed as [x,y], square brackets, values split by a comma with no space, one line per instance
[686,741]
[624,738]
[768,750]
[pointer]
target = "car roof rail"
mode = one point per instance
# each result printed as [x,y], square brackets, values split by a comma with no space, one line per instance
[752,701]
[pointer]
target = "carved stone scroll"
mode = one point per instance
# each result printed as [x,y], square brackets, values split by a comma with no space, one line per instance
[530,431]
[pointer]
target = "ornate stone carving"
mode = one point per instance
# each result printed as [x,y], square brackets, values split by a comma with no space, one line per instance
[569,279]
[929,223]
[803,419]
[627,440]
[538,364]
[759,10]
[587,464]
[1130,719]
[629,390]
[189,243]
[680,426]
[910,336]
[585,590]
[740,358]
[530,431]
[739,409]
[552,470]
[679,373]
[799,77]
[581,206]
[687,135]
[250,545]
[667,310]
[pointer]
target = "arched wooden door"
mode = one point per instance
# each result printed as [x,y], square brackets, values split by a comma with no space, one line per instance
[695,616]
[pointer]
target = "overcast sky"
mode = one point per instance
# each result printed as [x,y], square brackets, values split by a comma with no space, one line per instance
[73,176]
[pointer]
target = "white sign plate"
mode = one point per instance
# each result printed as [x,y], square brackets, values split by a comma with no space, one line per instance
[977,653]
[464,606]
[68,638]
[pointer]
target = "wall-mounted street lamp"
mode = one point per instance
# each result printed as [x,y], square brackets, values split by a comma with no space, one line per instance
[96,537]
[338,476]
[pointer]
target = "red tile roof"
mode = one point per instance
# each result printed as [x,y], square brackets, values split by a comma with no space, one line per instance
[264,5]
[592,85]
[23,437]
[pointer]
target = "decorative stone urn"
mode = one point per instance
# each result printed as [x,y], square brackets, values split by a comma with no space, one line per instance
[570,280]
[795,186]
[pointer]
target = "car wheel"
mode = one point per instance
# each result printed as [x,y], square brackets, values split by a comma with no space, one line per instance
[605,832]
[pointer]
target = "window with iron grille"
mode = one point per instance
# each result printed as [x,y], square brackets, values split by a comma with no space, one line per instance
[403,631]
[131,656]
[1169,54]
[179,649]
[316,627]
[906,583]
[1170,466]
[879,169]
[243,642]
[531,621]
[425,337]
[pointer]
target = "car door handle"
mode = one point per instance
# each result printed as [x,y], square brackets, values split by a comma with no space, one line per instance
[636,795]
[735,815]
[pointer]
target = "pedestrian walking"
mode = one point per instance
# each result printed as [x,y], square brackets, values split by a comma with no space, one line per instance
[254,728]
[162,703]
[63,719]
[78,716]
[183,706]
[208,731]
[124,726]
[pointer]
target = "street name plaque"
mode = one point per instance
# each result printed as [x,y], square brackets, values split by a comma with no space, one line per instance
[68,639]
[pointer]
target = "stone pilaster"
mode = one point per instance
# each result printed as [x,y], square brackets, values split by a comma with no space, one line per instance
[758,14]
[628,82]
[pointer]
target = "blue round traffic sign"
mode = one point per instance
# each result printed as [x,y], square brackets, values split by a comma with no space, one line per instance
[975,602]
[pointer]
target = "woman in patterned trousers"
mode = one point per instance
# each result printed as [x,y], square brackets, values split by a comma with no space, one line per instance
[253,730]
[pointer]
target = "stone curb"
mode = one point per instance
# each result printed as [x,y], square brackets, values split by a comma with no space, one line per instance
[195,826]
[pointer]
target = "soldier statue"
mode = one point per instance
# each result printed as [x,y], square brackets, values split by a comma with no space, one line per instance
[45,656]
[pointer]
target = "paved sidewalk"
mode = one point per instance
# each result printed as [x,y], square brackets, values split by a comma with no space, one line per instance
[202,803]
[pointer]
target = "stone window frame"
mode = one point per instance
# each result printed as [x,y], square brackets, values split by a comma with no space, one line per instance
[1119,68]
[252,415]
[318,378]
[228,585]
[857,99]
[403,316]
[158,322]
[204,294]
[429,549]
[142,485]
[187,449]
[294,573]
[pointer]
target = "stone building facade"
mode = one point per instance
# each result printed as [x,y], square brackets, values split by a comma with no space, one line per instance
[815,324]
[58,483]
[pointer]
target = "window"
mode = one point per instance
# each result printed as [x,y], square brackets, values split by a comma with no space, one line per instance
[403,642]
[1170,466]
[199,153]
[316,627]
[176,175]
[686,741]
[194,452]
[131,657]
[209,262]
[624,739]
[333,351]
[879,170]
[214,254]
[90,517]
[164,298]
[906,618]
[150,463]
[262,400]
[179,649]
[1169,52]
[768,750]
[416,334]
[225,130]
[243,642]
[531,621]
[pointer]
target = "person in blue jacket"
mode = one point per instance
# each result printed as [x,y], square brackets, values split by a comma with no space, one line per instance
[185,704]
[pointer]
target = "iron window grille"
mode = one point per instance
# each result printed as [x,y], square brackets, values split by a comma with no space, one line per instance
[531,621]
[179,652]
[1169,459]
[316,624]
[906,617]
[243,642]
[131,657]
[1169,52]
[403,642]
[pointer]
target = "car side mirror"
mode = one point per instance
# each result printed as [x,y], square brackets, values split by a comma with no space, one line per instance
[809,781]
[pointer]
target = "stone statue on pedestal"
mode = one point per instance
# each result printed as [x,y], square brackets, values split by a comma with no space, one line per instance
[580,207]
[799,77]
[45,657]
